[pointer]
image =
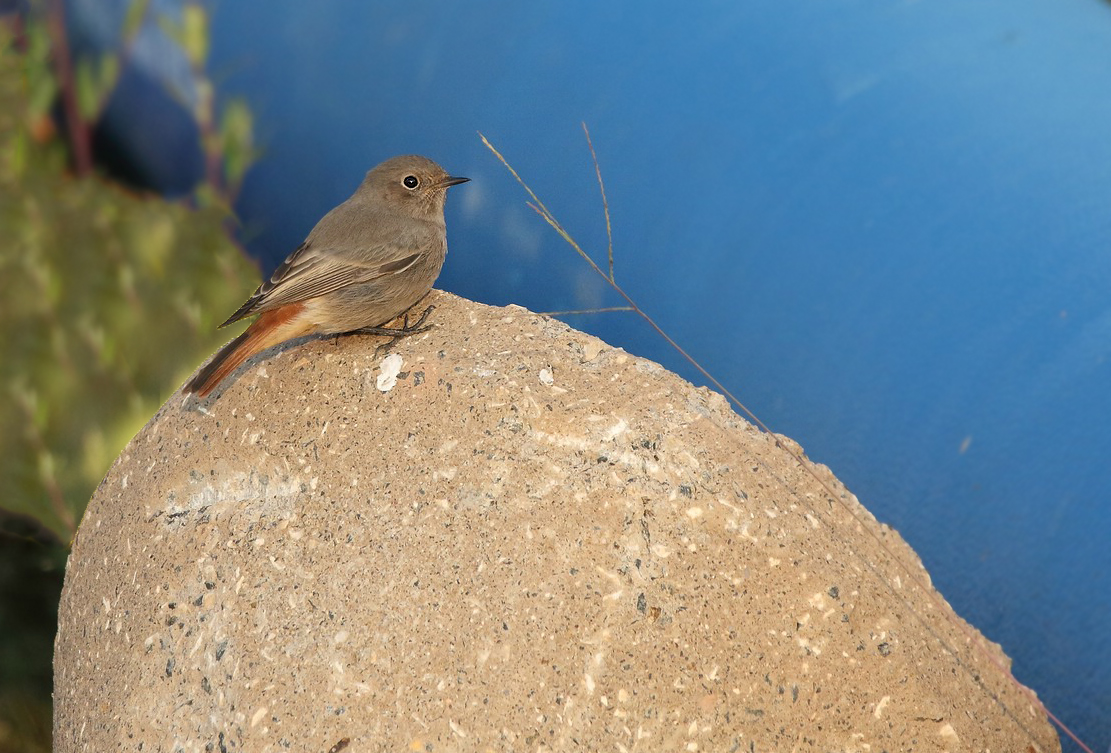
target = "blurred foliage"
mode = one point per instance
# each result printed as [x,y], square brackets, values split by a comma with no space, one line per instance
[80,89]
[228,144]
[107,301]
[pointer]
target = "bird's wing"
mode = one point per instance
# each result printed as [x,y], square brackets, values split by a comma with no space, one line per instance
[310,272]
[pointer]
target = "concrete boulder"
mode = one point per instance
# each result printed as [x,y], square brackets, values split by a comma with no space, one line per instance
[503,535]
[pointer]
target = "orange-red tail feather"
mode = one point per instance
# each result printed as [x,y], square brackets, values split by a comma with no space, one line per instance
[271,328]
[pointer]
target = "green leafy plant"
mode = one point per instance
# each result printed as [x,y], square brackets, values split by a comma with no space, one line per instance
[105,295]
[108,300]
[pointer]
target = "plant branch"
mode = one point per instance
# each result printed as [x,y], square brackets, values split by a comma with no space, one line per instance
[80,134]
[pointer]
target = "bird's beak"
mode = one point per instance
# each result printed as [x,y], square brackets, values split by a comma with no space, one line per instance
[451,180]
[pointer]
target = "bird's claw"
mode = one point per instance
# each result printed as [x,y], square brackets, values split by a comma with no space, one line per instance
[396,333]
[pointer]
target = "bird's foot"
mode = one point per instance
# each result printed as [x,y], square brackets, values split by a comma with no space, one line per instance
[396,333]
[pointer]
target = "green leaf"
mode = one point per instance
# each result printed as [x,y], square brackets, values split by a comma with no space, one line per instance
[133,21]
[85,84]
[172,29]
[17,154]
[108,75]
[194,37]
[237,141]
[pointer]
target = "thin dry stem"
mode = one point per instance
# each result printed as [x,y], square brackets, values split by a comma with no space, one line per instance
[605,202]
[605,310]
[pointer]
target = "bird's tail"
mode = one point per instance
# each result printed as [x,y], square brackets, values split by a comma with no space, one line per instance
[271,328]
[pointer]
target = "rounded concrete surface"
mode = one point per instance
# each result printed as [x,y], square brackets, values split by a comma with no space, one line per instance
[503,535]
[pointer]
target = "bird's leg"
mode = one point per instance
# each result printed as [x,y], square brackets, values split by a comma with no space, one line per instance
[404,330]
[396,333]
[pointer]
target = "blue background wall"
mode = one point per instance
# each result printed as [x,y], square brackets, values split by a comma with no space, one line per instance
[886,226]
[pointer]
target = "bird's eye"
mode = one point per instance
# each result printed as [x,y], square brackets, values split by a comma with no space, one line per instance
[410,182]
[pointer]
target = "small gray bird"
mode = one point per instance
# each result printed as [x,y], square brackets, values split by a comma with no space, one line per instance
[366,262]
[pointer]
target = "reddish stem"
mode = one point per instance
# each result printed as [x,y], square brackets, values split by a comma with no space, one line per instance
[79,132]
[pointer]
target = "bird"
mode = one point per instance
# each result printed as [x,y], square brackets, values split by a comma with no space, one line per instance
[365,263]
